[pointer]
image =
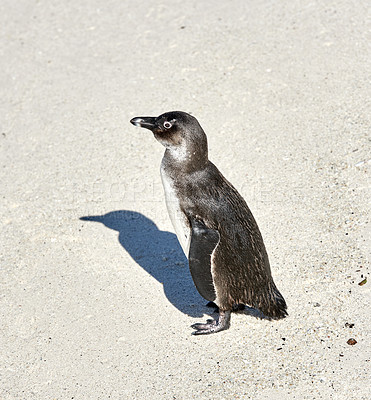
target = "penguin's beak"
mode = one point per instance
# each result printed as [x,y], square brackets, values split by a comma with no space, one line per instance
[145,122]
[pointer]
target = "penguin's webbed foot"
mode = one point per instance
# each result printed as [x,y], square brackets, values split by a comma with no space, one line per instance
[238,307]
[212,326]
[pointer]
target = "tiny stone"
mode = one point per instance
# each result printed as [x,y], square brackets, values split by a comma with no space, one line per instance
[363,282]
[351,341]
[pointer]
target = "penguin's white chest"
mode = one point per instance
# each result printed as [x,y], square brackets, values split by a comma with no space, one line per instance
[177,217]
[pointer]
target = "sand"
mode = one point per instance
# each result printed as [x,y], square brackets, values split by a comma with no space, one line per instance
[102,309]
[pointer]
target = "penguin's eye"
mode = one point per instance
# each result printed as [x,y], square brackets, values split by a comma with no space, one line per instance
[167,125]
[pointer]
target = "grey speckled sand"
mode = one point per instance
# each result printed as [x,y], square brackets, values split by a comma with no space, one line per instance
[101,308]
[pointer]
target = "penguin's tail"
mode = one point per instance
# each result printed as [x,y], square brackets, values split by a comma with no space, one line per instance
[273,305]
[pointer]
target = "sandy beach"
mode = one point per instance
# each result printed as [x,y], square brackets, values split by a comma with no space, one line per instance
[102,308]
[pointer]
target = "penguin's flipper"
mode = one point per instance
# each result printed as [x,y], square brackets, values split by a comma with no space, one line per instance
[203,242]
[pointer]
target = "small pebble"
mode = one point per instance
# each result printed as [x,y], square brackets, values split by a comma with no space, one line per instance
[363,282]
[351,341]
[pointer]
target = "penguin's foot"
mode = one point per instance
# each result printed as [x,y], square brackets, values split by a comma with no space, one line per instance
[238,307]
[212,326]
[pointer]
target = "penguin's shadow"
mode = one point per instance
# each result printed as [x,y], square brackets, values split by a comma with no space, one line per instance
[157,252]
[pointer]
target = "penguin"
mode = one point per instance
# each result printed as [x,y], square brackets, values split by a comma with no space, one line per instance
[215,228]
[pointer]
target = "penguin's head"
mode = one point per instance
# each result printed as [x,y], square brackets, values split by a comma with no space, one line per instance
[176,130]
